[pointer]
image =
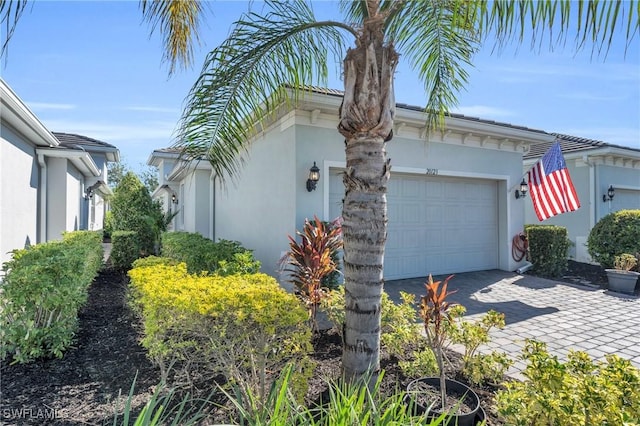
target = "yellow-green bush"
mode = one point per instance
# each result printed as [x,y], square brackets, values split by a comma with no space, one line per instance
[42,291]
[578,392]
[243,326]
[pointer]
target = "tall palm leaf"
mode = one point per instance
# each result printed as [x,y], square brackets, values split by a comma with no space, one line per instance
[265,62]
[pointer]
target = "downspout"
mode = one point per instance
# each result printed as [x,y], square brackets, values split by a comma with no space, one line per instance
[593,192]
[42,237]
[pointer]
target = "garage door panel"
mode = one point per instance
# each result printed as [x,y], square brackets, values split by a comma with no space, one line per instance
[433,214]
[458,218]
[437,224]
[410,214]
[410,240]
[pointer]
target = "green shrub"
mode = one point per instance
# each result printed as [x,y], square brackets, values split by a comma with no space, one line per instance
[133,210]
[144,262]
[108,224]
[124,249]
[245,327]
[478,368]
[614,234]
[548,249]
[42,291]
[422,363]
[578,392]
[398,321]
[203,255]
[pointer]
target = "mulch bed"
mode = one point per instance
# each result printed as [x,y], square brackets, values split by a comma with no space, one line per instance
[93,379]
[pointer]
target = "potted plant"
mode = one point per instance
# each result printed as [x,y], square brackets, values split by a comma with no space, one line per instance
[622,278]
[438,395]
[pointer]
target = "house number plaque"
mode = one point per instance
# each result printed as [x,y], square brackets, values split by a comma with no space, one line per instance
[432,172]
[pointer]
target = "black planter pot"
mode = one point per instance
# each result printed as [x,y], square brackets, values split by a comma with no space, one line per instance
[467,419]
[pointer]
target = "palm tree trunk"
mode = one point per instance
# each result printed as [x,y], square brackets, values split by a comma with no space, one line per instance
[366,122]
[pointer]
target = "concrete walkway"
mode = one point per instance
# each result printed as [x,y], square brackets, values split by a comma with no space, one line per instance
[565,316]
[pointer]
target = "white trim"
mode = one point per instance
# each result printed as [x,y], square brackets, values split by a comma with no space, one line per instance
[81,159]
[626,187]
[16,113]
[326,165]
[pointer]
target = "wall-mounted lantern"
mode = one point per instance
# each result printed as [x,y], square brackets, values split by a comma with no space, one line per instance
[314,177]
[174,196]
[90,190]
[524,188]
[611,192]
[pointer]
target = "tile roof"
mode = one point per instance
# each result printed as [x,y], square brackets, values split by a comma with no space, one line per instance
[69,140]
[570,143]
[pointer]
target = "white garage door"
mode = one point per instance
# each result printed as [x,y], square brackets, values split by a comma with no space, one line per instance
[625,199]
[437,225]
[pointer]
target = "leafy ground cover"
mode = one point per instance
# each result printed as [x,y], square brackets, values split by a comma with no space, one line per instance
[93,379]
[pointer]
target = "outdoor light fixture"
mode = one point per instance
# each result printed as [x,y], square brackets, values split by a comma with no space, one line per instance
[90,190]
[174,196]
[314,177]
[88,193]
[611,192]
[524,188]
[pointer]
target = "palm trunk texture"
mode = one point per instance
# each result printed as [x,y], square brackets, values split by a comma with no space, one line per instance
[366,122]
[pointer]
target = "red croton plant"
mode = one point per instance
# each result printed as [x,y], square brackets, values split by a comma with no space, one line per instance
[435,313]
[310,260]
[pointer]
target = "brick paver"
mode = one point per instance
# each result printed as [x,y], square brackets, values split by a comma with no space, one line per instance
[565,316]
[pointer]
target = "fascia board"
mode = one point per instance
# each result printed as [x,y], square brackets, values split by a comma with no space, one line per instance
[112,154]
[157,156]
[331,103]
[180,170]
[610,151]
[20,117]
[594,153]
[81,159]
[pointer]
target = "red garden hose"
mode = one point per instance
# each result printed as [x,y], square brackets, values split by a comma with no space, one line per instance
[519,247]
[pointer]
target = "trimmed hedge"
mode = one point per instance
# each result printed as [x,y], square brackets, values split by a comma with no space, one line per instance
[42,292]
[243,326]
[613,235]
[125,249]
[548,248]
[203,255]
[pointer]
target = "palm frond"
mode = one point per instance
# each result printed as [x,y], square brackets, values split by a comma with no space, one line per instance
[178,21]
[359,10]
[245,80]
[439,40]
[10,12]
[590,22]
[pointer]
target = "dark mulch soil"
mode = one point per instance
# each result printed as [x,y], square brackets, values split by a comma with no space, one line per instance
[583,274]
[93,378]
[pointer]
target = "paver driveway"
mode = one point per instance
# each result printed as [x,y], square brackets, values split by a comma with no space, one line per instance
[565,316]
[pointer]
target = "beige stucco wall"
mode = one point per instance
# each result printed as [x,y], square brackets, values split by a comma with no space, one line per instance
[269,199]
[19,179]
[259,208]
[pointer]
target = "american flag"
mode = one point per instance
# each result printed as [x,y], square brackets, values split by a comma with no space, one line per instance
[550,186]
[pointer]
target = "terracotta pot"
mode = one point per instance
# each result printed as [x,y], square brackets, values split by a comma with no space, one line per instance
[467,419]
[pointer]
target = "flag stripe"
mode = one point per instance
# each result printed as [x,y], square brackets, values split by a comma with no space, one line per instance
[552,191]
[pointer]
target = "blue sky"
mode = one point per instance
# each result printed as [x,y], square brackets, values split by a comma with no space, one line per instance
[91,68]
